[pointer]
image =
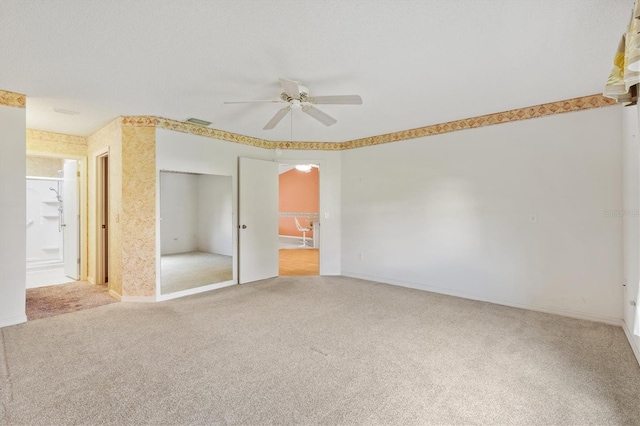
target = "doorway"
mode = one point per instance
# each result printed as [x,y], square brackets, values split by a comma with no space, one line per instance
[259,217]
[298,227]
[102,219]
[53,221]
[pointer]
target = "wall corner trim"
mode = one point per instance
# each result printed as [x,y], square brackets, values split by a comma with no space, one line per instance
[11,99]
[115,295]
[632,341]
[13,321]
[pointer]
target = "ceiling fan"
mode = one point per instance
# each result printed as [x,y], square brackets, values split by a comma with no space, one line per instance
[296,95]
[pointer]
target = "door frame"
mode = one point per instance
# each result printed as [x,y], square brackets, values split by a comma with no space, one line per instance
[280,160]
[289,161]
[82,200]
[101,272]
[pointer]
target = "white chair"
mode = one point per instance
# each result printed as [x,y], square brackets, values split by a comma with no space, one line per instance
[303,230]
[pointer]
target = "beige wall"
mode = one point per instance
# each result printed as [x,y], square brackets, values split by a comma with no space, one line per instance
[56,144]
[132,189]
[138,219]
[44,166]
[106,140]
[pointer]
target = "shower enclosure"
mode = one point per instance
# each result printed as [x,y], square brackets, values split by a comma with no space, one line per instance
[52,223]
[44,223]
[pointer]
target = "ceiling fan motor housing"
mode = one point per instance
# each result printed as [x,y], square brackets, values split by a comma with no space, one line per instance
[303,97]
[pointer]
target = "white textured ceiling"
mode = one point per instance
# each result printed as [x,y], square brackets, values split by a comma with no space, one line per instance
[414,63]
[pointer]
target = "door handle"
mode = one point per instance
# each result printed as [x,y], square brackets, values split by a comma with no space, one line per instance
[244,226]
[63,225]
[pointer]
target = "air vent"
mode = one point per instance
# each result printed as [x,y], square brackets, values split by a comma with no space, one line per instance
[198,122]
[65,111]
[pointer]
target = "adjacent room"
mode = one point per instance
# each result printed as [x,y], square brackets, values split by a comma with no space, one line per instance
[320,212]
[298,204]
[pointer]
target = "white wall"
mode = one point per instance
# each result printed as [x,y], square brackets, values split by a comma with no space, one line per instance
[630,212]
[452,214]
[12,215]
[187,152]
[215,214]
[178,212]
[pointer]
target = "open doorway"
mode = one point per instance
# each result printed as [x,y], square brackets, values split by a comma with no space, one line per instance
[53,221]
[102,219]
[298,228]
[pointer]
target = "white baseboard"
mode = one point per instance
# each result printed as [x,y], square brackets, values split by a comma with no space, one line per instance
[632,341]
[474,296]
[115,295]
[191,291]
[138,299]
[6,322]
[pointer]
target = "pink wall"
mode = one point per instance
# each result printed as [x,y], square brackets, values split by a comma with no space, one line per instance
[299,192]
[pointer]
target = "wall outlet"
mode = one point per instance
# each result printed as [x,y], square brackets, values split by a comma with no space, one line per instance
[533,218]
[326,215]
[359,256]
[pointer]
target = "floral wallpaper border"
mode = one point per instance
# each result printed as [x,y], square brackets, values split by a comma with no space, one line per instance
[12,99]
[569,105]
[536,111]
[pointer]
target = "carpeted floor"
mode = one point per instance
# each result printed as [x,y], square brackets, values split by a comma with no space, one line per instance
[316,350]
[59,299]
[299,262]
[182,271]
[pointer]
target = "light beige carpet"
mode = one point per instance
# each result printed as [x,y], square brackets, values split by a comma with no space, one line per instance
[182,271]
[316,350]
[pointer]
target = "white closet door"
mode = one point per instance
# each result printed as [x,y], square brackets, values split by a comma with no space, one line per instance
[258,220]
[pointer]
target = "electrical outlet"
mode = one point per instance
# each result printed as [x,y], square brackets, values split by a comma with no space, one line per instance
[326,215]
[533,218]
[359,256]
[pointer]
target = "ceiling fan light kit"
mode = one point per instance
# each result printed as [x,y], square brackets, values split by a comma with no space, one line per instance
[297,96]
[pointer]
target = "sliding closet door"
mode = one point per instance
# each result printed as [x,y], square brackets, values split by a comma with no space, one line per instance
[258,220]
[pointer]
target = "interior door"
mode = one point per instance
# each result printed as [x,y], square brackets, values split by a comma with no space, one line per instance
[71,220]
[258,220]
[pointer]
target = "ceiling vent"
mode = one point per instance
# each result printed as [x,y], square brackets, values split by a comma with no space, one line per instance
[199,122]
[65,111]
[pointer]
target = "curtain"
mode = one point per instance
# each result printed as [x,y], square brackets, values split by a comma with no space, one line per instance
[622,84]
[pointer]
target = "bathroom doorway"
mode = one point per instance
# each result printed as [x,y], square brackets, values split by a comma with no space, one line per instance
[53,221]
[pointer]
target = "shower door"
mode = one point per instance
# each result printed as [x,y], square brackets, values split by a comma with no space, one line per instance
[71,220]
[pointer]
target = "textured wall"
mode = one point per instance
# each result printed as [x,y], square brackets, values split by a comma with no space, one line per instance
[138,219]
[107,138]
[44,166]
[40,142]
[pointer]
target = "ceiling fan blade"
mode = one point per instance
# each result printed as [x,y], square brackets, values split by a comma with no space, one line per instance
[277,118]
[290,87]
[322,117]
[337,100]
[276,101]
